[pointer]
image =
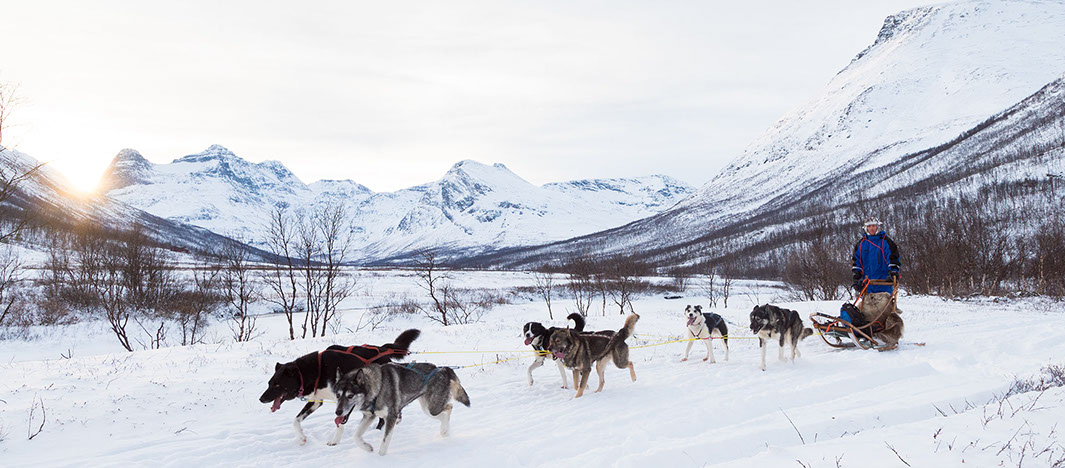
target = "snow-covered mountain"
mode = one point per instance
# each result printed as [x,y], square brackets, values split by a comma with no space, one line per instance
[932,73]
[936,78]
[47,198]
[474,207]
[215,189]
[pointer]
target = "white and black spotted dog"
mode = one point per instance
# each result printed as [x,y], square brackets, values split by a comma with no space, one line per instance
[768,321]
[705,326]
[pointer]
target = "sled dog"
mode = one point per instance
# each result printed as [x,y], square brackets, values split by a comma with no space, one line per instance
[314,375]
[381,391]
[579,351]
[536,335]
[704,326]
[768,321]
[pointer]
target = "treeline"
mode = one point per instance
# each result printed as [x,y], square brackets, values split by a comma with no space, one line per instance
[150,301]
[135,285]
[1008,238]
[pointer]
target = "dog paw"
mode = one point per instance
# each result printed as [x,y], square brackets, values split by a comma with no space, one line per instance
[301,440]
[364,446]
[683,359]
[331,443]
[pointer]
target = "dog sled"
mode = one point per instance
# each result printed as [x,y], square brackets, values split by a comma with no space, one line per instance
[839,332]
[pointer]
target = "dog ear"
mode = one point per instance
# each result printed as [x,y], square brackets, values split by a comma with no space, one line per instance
[277,367]
[338,375]
[698,308]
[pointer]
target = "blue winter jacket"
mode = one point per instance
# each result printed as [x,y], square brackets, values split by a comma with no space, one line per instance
[875,257]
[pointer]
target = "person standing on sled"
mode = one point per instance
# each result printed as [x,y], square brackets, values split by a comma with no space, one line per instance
[876,257]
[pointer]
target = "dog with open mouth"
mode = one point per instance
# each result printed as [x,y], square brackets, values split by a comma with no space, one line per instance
[578,351]
[382,391]
[705,326]
[314,375]
[536,335]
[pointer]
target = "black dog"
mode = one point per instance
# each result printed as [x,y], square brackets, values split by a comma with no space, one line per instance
[314,375]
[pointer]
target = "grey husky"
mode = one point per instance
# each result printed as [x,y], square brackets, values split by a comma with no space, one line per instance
[768,321]
[382,391]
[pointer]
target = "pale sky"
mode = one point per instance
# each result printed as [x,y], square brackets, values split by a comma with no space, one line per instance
[391,94]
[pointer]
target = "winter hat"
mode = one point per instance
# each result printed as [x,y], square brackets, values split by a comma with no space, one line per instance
[872,221]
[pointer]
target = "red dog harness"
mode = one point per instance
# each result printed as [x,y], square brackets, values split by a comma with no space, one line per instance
[381,352]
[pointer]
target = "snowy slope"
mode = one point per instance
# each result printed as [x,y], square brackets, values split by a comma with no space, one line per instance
[473,207]
[932,73]
[199,405]
[935,78]
[53,203]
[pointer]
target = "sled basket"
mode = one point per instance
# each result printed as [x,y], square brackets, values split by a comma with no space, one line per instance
[840,333]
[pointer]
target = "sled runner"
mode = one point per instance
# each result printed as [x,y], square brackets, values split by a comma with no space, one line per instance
[834,330]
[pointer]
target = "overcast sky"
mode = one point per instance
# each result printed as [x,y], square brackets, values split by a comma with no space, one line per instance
[391,94]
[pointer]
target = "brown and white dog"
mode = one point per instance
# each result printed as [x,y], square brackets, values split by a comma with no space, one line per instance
[579,351]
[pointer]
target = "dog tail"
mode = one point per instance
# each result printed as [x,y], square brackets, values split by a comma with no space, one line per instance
[805,333]
[457,392]
[578,322]
[403,341]
[626,331]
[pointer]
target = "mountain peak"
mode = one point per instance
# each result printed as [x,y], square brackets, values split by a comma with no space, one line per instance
[127,168]
[213,152]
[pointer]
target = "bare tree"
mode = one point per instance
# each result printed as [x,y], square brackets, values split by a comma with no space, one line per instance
[624,281]
[580,273]
[308,250]
[128,279]
[681,277]
[435,285]
[241,289]
[335,234]
[196,304]
[727,278]
[283,278]
[710,270]
[10,277]
[545,285]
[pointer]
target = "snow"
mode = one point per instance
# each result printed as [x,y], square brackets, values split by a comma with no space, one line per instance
[199,404]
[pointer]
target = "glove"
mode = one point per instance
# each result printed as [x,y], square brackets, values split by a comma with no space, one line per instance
[857,286]
[893,275]
[857,275]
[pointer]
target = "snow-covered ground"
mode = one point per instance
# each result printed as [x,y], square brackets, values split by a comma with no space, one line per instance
[199,405]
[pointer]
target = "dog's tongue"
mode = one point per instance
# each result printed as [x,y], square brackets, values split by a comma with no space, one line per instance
[340,420]
[691,320]
[276,406]
[528,341]
[559,355]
